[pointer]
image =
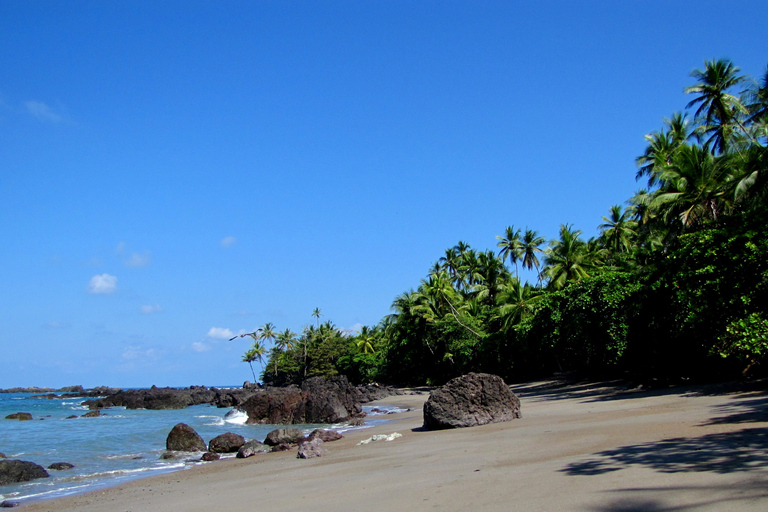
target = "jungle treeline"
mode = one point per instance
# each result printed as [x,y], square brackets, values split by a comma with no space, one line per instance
[674,287]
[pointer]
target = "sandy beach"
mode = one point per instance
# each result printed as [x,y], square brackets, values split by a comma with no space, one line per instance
[581,447]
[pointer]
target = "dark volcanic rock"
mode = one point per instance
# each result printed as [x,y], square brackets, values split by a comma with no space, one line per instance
[9,504]
[289,436]
[59,466]
[318,400]
[330,400]
[310,449]
[370,392]
[14,471]
[251,448]
[92,414]
[183,438]
[226,443]
[210,457]
[469,400]
[325,435]
[281,447]
[2,455]
[155,398]
[21,416]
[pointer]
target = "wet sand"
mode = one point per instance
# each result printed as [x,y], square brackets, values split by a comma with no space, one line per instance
[580,447]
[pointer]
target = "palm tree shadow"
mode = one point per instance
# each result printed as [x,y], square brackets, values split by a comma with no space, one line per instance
[730,452]
[743,410]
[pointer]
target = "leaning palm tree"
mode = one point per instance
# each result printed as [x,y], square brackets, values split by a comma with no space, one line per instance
[255,353]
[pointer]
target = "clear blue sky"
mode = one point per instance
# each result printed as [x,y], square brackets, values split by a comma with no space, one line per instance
[172,172]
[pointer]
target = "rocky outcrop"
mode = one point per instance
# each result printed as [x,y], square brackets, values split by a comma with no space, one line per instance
[251,448]
[60,466]
[210,457]
[226,443]
[21,416]
[155,398]
[325,435]
[15,471]
[183,438]
[311,448]
[287,436]
[470,400]
[318,400]
[92,414]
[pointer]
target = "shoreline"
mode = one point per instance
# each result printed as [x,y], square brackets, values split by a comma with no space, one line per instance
[584,446]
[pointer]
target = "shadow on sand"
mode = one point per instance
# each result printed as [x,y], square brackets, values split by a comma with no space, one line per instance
[723,497]
[743,450]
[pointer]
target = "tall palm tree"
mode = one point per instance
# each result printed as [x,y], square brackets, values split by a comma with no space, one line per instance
[719,111]
[510,246]
[661,148]
[516,302]
[565,260]
[255,353]
[530,246]
[317,314]
[268,332]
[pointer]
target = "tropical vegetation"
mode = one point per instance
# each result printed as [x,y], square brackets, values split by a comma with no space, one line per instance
[675,286]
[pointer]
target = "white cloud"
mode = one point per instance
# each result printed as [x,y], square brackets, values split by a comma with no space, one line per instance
[150,309]
[138,352]
[56,325]
[102,283]
[199,346]
[138,260]
[42,112]
[220,333]
[228,241]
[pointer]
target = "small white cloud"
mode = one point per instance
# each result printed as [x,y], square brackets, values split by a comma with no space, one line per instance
[102,283]
[151,309]
[42,112]
[199,346]
[138,352]
[220,333]
[138,260]
[228,241]
[56,325]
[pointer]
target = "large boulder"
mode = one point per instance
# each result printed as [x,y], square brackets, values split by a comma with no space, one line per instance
[183,438]
[287,436]
[470,400]
[226,443]
[319,400]
[325,435]
[15,471]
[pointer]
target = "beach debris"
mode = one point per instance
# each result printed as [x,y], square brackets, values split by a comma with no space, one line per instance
[325,435]
[470,400]
[183,438]
[226,443]
[381,437]
[250,448]
[210,457]
[60,466]
[311,448]
[15,471]
[289,436]
[21,416]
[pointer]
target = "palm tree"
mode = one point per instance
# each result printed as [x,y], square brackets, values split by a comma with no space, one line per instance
[366,340]
[510,246]
[317,314]
[718,110]
[516,302]
[531,244]
[268,332]
[662,147]
[618,229]
[285,340]
[255,353]
[565,259]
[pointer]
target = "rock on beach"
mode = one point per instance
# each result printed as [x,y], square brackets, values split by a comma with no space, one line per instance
[471,400]
[183,438]
[15,471]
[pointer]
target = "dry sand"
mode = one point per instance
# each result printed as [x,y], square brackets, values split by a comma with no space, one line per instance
[587,447]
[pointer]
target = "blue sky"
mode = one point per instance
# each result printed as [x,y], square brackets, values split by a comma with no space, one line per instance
[173,172]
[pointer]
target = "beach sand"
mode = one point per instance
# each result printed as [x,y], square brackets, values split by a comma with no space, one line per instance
[581,447]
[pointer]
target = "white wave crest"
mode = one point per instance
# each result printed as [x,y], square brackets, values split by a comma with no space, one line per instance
[236,416]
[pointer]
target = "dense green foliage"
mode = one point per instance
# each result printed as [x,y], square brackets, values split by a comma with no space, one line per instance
[676,285]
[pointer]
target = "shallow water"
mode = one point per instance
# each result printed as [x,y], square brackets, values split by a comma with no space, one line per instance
[119,445]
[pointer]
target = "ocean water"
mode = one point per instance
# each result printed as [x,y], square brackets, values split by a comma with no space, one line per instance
[120,445]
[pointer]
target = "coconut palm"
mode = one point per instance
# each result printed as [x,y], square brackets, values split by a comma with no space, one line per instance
[530,246]
[661,148]
[510,246]
[619,230]
[255,353]
[317,314]
[516,302]
[719,112]
[566,260]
